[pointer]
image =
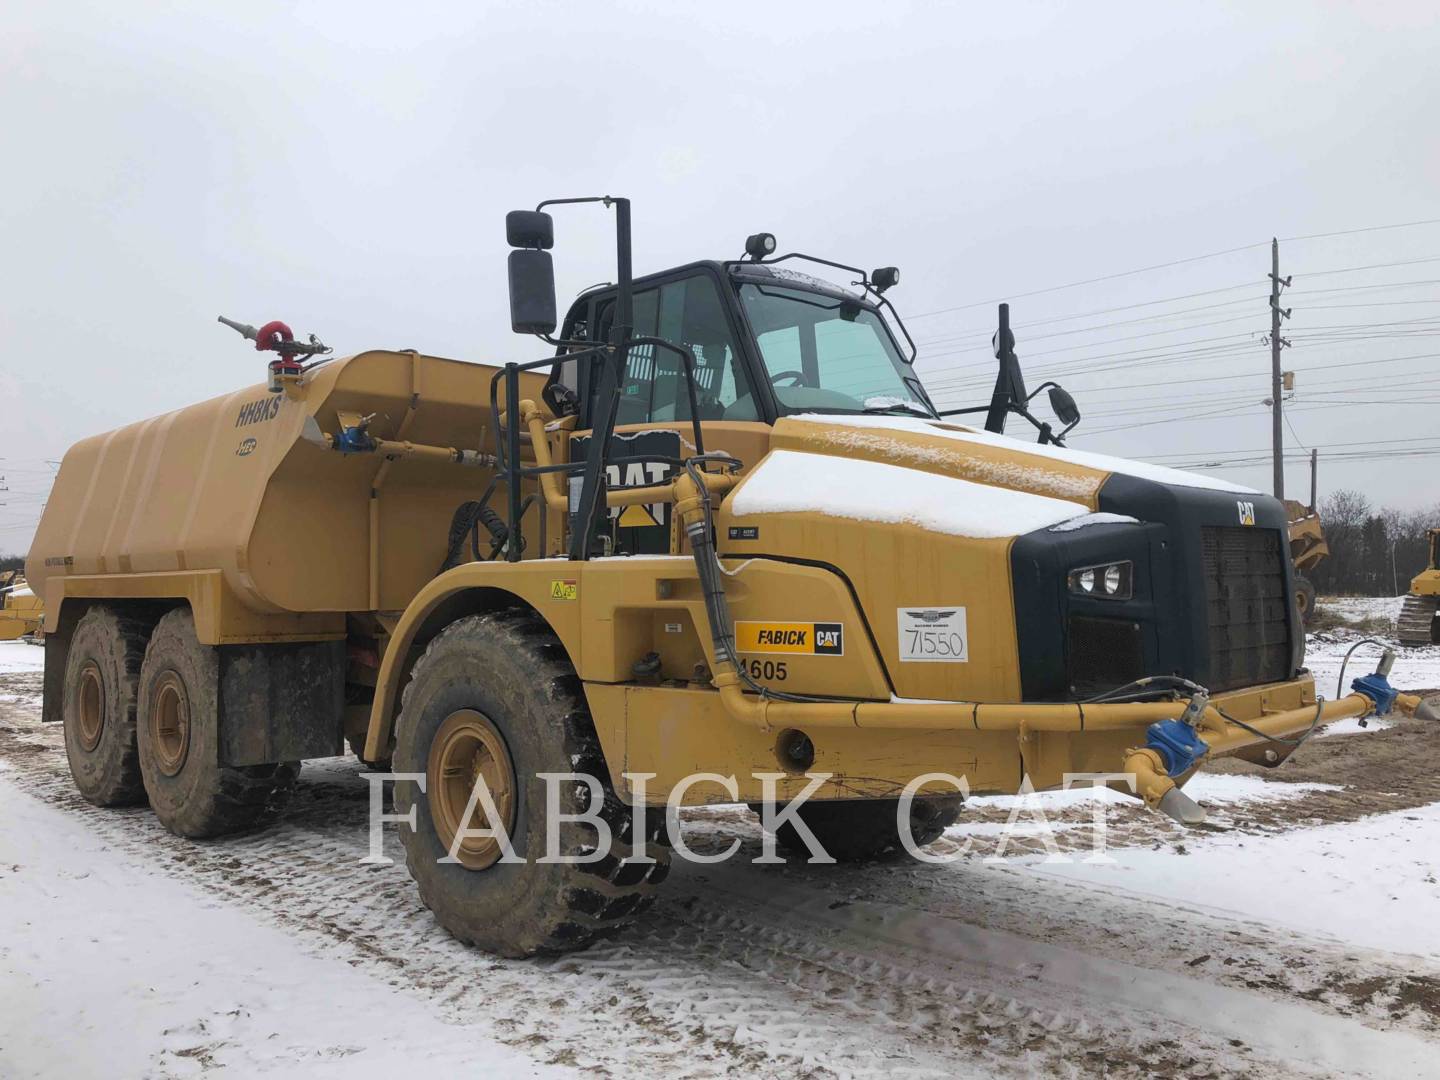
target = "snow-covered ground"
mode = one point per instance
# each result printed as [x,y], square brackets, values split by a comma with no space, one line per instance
[1371,883]
[20,656]
[110,969]
[1415,668]
[1297,935]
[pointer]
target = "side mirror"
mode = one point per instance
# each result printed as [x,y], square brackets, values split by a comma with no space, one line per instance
[1064,406]
[530,229]
[532,274]
[532,292]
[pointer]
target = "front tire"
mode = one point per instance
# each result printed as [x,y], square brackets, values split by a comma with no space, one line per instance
[178,723]
[495,696]
[102,676]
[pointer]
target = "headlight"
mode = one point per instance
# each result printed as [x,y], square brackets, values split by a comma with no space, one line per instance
[1108,581]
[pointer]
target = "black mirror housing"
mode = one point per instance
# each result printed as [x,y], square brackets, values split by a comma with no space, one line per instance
[1064,407]
[530,229]
[532,291]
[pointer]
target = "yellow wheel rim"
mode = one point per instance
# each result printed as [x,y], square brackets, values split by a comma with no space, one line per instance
[169,723]
[468,748]
[91,705]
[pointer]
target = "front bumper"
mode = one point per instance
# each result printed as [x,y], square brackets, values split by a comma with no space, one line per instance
[1059,739]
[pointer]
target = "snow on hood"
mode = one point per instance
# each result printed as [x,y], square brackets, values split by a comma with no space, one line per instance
[788,481]
[1094,519]
[1101,462]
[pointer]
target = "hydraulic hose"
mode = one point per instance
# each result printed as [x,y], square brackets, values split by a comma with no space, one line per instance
[699,530]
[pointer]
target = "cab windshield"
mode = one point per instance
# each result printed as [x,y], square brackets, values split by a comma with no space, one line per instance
[825,354]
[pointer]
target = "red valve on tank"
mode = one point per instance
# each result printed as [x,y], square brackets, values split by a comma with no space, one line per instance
[272,337]
[276,337]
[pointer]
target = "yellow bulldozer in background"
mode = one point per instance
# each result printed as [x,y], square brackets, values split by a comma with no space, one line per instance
[1417,615]
[1308,548]
[21,612]
[718,546]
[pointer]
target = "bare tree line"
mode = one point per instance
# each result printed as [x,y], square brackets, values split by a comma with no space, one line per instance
[1374,551]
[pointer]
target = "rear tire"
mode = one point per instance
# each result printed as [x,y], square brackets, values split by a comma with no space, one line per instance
[102,677]
[178,726]
[855,829]
[500,688]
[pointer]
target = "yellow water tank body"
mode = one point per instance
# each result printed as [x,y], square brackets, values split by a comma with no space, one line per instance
[240,505]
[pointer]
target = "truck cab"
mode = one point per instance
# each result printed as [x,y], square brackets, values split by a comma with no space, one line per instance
[767,341]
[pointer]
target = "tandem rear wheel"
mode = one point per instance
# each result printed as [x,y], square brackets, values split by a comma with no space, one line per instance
[178,738]
[102,678]
[495,699]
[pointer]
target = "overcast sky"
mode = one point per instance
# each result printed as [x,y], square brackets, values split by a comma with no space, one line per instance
[346,168]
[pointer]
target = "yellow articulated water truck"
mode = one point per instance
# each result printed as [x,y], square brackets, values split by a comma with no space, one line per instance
[721,529]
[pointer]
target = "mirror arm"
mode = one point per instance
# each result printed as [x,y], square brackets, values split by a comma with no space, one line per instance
[562,343]
[961,412]
[1042,386]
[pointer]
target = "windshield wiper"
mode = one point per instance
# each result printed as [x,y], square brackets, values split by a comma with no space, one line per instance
[890,406]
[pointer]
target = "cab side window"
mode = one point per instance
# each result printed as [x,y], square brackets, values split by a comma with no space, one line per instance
[686,312]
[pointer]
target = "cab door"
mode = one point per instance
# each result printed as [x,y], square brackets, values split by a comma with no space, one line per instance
[653,414]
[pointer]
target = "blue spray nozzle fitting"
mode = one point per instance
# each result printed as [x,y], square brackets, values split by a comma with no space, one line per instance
[354,440]
[1178,744]
[1377,688]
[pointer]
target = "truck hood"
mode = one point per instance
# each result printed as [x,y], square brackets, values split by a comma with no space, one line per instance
[981,457]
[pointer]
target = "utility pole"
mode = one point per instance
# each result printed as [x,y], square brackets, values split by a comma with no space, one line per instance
[1314,458]
[1276,343]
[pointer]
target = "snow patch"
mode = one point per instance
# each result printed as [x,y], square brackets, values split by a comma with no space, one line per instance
[1094,519]
[1032,478]
[1370,883]
[112,969]
[18,656]
[788,481]
[1103,462]
[1204,788]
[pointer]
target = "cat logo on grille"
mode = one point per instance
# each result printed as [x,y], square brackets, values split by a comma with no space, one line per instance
[1247,512]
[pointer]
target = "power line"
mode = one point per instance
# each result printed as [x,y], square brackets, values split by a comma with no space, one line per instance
[1369,229]
[1371,266]
[1088,281]
[1200,258]
[1253,451]
[986,334]
[1107,325]
[1362,288]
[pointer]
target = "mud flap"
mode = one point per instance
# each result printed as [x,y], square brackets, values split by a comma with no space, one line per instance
[281,702]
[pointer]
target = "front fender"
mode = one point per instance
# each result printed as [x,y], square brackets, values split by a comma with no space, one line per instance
[466,590]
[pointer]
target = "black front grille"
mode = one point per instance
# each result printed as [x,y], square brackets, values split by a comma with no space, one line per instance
[1248,617]
[1103,654]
